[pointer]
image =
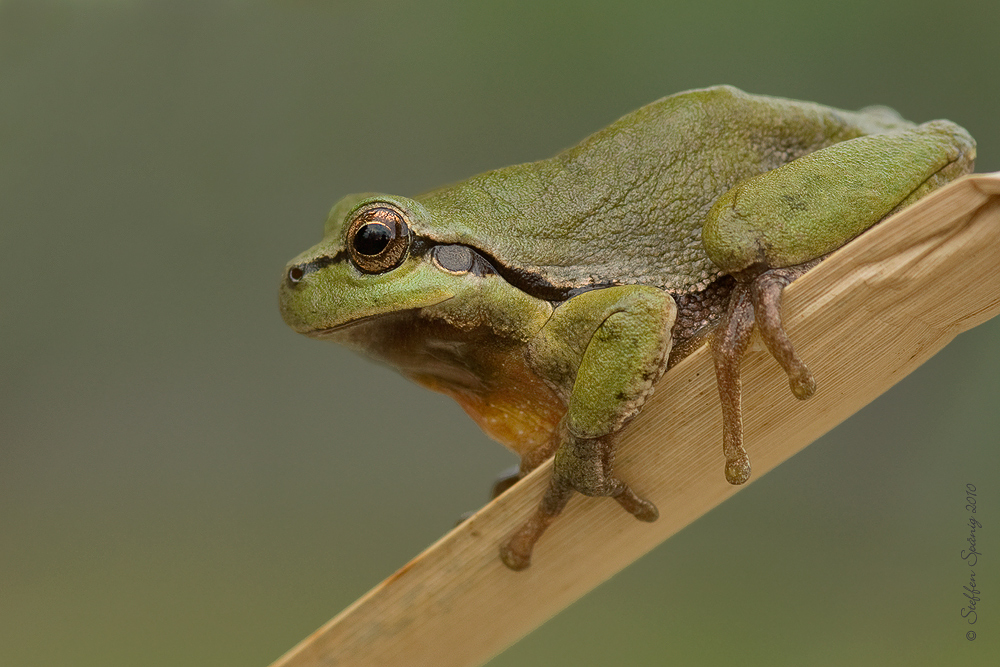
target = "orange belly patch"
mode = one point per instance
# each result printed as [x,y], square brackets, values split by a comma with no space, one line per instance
[517,409]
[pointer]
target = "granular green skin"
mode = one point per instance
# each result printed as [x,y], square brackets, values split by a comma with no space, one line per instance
[546,297]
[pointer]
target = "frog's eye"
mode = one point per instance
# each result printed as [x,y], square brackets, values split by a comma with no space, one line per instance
[378,238]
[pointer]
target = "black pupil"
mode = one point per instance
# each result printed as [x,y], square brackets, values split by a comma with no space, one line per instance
[372,238]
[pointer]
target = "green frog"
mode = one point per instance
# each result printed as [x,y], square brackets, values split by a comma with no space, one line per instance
[547,298]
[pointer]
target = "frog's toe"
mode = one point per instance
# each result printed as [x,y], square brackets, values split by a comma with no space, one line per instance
[516,551]
[738,469]
[515,555]
[803,385]
[766,291]
[729,343]
[640,508]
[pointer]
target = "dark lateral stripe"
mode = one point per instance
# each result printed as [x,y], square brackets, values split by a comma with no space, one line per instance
[322,262]
[531,284]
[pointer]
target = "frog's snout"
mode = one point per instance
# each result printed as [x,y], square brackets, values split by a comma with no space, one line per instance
[293,295]
[295,272]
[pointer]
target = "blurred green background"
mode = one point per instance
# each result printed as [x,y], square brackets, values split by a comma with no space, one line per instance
[184,481]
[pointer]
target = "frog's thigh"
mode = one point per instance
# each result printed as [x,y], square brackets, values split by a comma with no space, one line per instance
[817,203]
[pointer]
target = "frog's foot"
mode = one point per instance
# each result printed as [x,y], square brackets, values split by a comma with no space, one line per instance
[583,465]
[756,298]
[516,552]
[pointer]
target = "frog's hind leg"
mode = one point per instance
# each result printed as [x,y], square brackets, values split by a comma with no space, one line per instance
[772,227]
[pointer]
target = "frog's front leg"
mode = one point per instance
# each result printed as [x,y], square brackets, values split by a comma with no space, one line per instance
[602,350]
[771,228]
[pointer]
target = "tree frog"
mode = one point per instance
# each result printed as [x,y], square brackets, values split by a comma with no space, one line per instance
[547,298]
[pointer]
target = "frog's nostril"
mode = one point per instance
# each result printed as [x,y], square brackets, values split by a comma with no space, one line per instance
[295,274]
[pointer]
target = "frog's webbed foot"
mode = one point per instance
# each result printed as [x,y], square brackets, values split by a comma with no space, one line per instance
[582,465]
[755,299]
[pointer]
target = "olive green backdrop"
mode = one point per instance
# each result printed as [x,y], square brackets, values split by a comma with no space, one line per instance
[184,481]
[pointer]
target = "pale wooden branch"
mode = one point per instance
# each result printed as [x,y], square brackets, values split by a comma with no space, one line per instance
[865,318]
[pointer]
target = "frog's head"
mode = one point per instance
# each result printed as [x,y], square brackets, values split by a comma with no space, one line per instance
[376,258]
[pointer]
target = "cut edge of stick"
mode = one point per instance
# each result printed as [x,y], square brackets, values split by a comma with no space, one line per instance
[862,320]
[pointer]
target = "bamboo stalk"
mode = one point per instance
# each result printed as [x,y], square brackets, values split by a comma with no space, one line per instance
[862,320]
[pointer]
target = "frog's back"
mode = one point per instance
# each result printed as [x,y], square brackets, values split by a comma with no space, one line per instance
[627,204]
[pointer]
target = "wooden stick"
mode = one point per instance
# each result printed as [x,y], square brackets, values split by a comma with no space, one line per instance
[862,320]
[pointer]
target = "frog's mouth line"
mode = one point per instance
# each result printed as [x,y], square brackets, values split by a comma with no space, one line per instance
[329,332]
